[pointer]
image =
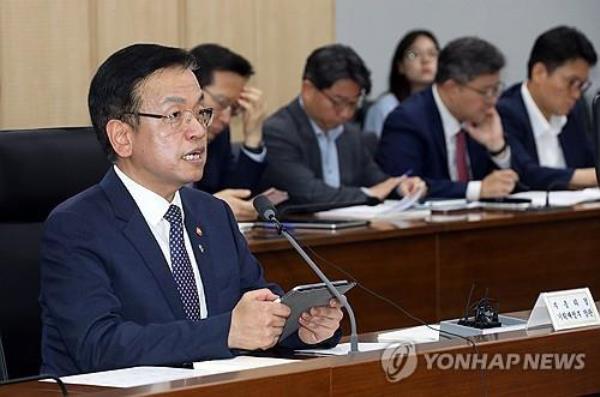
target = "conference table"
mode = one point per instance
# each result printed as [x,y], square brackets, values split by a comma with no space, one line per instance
[428,266]
[362,374]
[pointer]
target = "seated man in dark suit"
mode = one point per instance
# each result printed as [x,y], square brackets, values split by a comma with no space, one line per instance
[544,116]
[223,75]
[141,269]
[314,153]
[450,134]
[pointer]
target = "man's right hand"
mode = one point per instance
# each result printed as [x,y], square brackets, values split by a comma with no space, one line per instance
[257,321]
[236,199]
[499,183]
[383,189]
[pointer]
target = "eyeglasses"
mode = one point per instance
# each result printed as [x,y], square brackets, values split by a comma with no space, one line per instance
[224,105]
[340,104]
[414,55]
[489,93]
[580,85]
[176,119]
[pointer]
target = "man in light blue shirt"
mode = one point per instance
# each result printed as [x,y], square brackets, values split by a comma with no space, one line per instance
[314,152]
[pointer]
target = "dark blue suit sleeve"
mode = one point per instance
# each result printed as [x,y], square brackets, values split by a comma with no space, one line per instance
[531,174]
[78,296]
[225,170]
[403,146]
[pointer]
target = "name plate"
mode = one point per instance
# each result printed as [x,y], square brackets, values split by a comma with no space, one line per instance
[564,310]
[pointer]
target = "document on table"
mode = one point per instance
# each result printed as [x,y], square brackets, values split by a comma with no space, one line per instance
[131,377]
[343,349]
[239,363]
[388,209]
[140,376]
[561,197]
[420,334]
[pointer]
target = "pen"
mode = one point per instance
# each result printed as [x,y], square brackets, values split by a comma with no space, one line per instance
[407,173]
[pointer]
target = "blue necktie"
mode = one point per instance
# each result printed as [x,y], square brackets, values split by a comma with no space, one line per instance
[182,266]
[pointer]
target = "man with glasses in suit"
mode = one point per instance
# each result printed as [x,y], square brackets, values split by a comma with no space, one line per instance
[141,269]
[545,116]
[224,75]
[450,134]
[315,153]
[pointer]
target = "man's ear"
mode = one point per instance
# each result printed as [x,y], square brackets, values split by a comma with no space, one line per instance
[307,89]
[538,72]
[120,136]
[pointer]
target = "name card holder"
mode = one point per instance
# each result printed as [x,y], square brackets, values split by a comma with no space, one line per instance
[564,310]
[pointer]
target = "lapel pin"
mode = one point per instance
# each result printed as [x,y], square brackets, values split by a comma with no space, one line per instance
[201,248]
[199,231]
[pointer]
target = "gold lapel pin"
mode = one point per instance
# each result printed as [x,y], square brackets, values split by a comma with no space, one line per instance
[199,232]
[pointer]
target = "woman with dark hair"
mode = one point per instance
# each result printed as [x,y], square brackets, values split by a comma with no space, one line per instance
[413,68]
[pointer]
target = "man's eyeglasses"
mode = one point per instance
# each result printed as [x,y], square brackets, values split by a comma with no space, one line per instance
[340,104]
[177,118]
[224,105]
[414,55]
[489,93]
[580,85]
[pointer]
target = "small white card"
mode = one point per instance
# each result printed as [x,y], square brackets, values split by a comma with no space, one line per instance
[564,309]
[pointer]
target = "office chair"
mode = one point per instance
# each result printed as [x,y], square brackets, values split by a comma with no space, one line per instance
[38,170]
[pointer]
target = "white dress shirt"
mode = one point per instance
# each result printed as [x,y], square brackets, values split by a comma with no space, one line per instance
[451,128]
[545,132]
[153,207]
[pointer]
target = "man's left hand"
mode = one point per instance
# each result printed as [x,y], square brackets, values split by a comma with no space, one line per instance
[320,323]
[488,132]
[252,102]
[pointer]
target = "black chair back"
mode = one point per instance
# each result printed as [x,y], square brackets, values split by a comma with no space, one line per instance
[38,170]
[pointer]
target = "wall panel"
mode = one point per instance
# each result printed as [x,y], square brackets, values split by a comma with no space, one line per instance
[49,49]
[45,62]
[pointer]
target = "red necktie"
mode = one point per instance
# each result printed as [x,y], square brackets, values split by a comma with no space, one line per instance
[462,169]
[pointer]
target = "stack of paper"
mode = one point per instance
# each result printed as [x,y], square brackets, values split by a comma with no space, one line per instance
[562,198]
[239,363]
[420,334]
[131,377]
[343,349]
[140,376]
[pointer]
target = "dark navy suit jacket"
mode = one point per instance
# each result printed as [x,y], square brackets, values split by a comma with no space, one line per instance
[108,297]
[224,170]
[413,139]
[573,140]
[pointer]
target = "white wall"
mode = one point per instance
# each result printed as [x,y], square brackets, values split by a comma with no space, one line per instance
[373,27]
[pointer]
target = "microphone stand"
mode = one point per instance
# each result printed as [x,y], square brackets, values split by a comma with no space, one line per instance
[341,298]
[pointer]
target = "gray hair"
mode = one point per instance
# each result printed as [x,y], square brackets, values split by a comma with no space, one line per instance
[466,58]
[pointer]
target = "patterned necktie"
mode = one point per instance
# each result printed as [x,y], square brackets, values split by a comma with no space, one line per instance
[182,267]
[462,169]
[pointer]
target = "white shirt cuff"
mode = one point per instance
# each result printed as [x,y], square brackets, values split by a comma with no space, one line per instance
[473,190]
[503,159]
[258,157]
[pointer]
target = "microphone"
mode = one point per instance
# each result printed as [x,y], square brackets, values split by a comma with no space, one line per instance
[266,211]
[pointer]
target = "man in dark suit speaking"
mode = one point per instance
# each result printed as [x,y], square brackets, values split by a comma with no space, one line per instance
[451,135]
[140,270]
[314,152]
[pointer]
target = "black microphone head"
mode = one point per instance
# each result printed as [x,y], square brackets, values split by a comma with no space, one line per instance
[265,208]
